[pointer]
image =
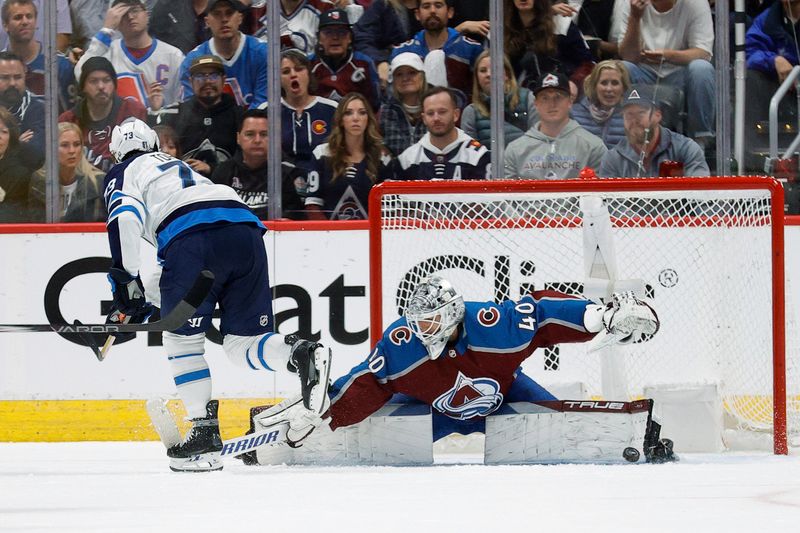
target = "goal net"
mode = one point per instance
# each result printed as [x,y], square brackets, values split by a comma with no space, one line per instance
[708,254]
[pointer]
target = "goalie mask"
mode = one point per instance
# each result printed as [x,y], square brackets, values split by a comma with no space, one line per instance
[434,312]
[132,135]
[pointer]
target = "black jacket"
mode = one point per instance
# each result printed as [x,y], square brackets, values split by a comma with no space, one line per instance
[205,133]
[16,169]
[251,186]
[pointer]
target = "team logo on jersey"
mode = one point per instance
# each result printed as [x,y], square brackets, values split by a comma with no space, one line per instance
[264,320]
[349,207]
[470,397]
[400,335]
[359,75]
[320,127]
[488,316]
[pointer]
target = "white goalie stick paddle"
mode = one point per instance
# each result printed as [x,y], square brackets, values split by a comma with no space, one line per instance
[167,429]
[174,320]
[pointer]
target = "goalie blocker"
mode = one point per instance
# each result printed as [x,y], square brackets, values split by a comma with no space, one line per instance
[566,431]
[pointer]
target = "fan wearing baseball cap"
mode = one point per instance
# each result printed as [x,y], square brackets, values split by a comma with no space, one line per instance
[661,151]
[556,147]
[400,116]
[206,122]
[243,56]
[100,109]
[339,69]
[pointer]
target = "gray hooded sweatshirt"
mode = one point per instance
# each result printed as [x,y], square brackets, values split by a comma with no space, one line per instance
[538,156]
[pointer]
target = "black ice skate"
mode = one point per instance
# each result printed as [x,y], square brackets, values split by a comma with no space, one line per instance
[200,448]
[312,363]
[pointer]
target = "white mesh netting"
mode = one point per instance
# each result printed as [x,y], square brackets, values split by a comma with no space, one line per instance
[705,258]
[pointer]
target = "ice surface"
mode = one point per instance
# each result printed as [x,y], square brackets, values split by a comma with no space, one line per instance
[70,487]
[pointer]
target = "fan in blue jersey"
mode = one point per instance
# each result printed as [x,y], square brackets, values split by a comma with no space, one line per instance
[197,225]
[448,54]
[244,56]
[337,67]
[463,358]
[306,120]
[445,151]
[348,165]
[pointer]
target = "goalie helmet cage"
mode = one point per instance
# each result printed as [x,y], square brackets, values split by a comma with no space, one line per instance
[709,251]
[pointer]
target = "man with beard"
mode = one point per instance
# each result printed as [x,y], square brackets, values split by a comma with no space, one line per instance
[20,22]
[206,123]
[246,172]
[648,148]
[28,111]
[100,110]
[243,56]
[338,69]
[148,68]
[445,152]
[556,147]
[448,54]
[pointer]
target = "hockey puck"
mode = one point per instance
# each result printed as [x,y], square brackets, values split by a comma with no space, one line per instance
[630,454]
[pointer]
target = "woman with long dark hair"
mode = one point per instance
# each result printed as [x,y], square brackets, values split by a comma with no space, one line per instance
[349,164]
[305,119]
[17,165]
[539,41]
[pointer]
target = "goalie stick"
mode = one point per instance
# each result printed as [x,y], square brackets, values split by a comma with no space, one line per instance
[167,429]
[175,319]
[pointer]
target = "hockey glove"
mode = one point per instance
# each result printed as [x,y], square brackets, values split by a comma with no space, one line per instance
[300,421]
[629,319]
[130,305]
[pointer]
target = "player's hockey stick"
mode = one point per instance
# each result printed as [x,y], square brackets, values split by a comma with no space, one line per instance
[175,319]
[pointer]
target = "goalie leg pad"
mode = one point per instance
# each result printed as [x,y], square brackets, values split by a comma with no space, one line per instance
[568,432]
[395,435]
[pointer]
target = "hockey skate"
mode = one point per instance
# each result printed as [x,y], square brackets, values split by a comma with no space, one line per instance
[199,451]
[312,363]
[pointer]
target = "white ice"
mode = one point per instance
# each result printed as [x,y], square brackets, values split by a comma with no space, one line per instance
[108,487]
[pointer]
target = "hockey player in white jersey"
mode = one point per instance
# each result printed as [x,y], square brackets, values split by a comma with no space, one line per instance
[198,225]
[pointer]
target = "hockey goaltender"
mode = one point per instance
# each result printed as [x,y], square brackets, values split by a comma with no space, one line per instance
[450,366]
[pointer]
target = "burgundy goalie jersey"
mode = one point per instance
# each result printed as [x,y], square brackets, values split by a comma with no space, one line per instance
[474,374]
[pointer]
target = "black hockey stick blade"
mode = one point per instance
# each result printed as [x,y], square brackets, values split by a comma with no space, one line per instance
[175,319]
[90,341]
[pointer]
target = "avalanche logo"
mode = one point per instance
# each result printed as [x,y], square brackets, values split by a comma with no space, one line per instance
[488,316]
[319,127]
[400,335]
[469,398]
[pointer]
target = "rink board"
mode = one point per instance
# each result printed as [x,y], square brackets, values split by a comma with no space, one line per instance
[320,273]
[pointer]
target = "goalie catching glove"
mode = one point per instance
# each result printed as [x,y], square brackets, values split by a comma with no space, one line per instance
[129,305]
[630,320]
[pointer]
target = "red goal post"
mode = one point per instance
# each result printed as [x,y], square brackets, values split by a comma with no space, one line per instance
[707,251]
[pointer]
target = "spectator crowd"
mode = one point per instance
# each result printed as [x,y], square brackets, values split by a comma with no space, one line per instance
[372,90]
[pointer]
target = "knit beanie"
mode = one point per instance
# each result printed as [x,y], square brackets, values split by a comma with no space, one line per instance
[94,64]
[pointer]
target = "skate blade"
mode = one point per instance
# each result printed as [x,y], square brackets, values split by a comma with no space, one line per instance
[319,393]
[206,462]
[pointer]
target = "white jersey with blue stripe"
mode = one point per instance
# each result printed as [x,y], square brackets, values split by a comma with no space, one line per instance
[157,197]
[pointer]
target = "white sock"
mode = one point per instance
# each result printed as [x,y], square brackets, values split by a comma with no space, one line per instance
[190,371]
[258,352]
